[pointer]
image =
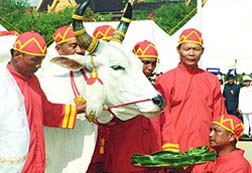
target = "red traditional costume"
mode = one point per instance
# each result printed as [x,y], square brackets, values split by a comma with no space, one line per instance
[193,98]
[136,135]
[147,50]
[232,162]
[39,110]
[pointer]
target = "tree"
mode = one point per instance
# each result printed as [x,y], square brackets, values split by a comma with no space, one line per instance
[16,15]
[170,16]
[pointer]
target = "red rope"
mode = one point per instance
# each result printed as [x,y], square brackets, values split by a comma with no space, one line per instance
[109,108]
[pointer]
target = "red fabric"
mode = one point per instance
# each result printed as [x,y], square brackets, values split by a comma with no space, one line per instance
[13,32]
[103,32]
[191,35]
[193,99]
[63,34]
[39,112]
[231,123]
[97,162]
[126,138]
[233,162]
[31,43]
[92,80]
[145,49]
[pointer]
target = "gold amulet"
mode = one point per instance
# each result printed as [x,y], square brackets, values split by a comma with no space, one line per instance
[79,100]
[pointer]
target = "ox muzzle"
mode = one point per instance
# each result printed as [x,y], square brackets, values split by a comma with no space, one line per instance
[159,100]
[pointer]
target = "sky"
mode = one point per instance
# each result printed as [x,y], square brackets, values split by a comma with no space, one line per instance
[33,2]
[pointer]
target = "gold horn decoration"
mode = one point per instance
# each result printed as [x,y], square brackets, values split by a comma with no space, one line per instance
[119,34]
[85,40]
[94,73]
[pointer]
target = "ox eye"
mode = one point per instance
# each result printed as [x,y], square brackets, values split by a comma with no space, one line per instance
[117,67]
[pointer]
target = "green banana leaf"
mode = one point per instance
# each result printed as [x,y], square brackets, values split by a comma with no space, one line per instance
[173,159]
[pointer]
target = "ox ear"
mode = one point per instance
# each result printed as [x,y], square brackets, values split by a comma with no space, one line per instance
[72,62]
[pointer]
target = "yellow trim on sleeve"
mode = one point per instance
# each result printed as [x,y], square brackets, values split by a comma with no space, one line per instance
[171,147]
[66,116]
[72,116]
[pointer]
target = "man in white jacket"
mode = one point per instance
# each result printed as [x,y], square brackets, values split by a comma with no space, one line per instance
[14,130]
[245,108]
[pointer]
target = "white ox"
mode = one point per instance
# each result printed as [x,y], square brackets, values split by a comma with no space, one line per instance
[70,151]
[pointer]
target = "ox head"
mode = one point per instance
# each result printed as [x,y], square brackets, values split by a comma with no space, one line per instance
[124,91]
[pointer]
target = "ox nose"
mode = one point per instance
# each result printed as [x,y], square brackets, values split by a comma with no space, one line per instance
[159,100]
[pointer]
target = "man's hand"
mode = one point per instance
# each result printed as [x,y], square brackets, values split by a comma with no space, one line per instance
[81,108]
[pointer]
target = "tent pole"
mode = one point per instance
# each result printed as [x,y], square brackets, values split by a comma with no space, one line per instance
[199,13]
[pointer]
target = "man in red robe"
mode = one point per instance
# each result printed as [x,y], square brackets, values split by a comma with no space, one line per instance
[224,134]
[193,97]
[137,135]
[28,52]
[103,32]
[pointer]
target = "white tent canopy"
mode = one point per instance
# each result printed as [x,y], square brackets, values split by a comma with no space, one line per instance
[2,28]
[227,32]
[6,43]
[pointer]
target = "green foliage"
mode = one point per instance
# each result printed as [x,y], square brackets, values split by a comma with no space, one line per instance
[46,23]
[15,15]
[11,10]
[171,17]
[140,15]
[23,20]
[102,17]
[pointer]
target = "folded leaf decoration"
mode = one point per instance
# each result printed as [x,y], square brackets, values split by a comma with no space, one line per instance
[173,159]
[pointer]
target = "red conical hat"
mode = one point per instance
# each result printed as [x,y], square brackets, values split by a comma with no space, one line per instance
[191,35]
[231,123]
[30,43]
[103,32]
[63,34]
[145,49]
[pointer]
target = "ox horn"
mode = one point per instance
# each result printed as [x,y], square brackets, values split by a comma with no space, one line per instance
[122,28]
[85,40]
